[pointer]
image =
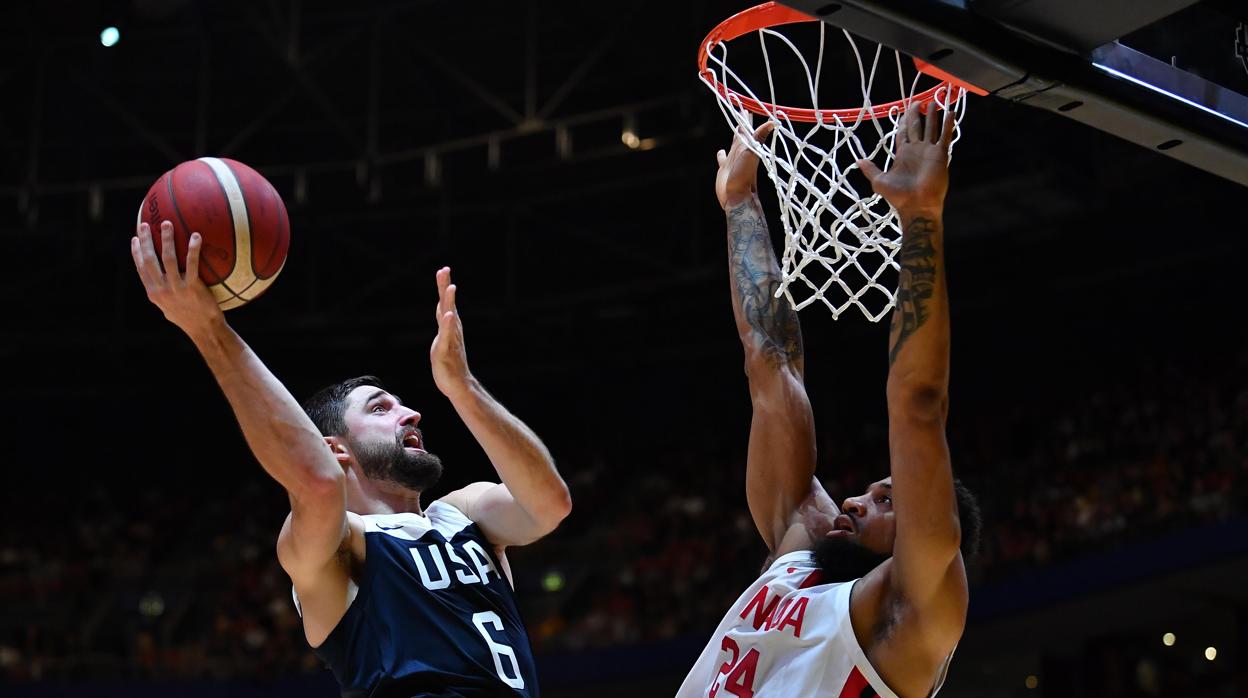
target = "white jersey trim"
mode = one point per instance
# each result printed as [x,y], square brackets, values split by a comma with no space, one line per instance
[844,594]
[830,654]
[440,516]
[789,558]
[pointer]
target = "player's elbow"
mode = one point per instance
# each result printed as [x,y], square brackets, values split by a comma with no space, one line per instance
[944,532]
[772,380]
[756,367]
[764,364]
[562,504]
[935,548]
[555,508]
[946,538]
[918,400]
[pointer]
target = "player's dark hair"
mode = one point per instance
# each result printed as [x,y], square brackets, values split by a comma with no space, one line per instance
[328,405]
[971,520]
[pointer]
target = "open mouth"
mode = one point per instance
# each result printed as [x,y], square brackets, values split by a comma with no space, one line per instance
[413,441]
[843,523]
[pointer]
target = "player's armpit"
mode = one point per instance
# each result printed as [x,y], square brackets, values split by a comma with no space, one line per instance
[929,630]
[321,582]
[500,517]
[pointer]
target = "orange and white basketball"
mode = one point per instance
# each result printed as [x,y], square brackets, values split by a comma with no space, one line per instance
[239,215]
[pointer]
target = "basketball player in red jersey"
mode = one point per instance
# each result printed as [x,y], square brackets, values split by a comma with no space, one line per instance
[399,596]
[869,599]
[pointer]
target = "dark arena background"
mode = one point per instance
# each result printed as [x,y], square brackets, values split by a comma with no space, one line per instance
[560,157]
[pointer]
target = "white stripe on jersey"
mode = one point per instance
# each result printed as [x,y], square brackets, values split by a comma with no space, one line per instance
[440,516]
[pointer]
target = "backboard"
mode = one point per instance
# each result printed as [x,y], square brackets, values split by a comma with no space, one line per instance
[1168,75]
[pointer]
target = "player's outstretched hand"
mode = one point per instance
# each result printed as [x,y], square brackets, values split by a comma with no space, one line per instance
[450,362]
[181,296]
[737,178]
[919,176]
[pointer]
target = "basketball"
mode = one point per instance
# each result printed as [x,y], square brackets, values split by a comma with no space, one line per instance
[238,214]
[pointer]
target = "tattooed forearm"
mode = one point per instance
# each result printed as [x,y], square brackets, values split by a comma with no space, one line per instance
[755,278]
[919,266]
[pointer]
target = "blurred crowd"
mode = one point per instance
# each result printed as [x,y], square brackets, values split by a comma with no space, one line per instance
[1156,447]
[658,545]
[1161,448]
[179,586]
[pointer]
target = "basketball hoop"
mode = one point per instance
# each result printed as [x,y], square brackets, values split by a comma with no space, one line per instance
[838,243]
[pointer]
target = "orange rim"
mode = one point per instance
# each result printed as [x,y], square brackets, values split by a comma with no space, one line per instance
[769,14]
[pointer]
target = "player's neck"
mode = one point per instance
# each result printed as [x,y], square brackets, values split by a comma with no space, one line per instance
[387,498]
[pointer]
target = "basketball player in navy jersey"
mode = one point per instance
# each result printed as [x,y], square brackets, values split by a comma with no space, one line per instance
[868,599]
[399,598]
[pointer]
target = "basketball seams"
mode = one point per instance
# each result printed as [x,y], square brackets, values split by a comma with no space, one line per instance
[281,241]
[254,182]
[251,250]
[245,295]
[177,212]
[242,272]
[181,221]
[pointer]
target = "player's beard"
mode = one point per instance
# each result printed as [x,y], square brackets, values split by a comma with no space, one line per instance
[844,561]
[390,462]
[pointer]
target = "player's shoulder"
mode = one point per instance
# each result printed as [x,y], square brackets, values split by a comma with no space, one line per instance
[456,511]
[446,512]
[463,500]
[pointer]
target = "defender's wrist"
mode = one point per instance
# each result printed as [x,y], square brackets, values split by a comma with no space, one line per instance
[928,211]
[749,200]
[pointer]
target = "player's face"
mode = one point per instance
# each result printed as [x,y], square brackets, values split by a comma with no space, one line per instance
[383,438]
[868,518]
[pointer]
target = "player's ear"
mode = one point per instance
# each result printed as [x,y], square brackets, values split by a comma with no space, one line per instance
[338,447]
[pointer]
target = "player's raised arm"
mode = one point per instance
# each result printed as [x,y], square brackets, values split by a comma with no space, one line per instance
[780,462]
[927,570]
[281,436]
[533,498]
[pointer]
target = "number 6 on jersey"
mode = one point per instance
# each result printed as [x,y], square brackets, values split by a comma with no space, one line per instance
[499,650]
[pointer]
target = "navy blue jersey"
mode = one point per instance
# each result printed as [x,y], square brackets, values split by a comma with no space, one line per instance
[433,615]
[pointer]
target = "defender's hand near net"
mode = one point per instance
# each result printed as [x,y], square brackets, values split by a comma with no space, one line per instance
[447,355]
[181,296]
[737,178]
[919,176]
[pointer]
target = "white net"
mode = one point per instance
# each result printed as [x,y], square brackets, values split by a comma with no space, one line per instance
[840,244]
